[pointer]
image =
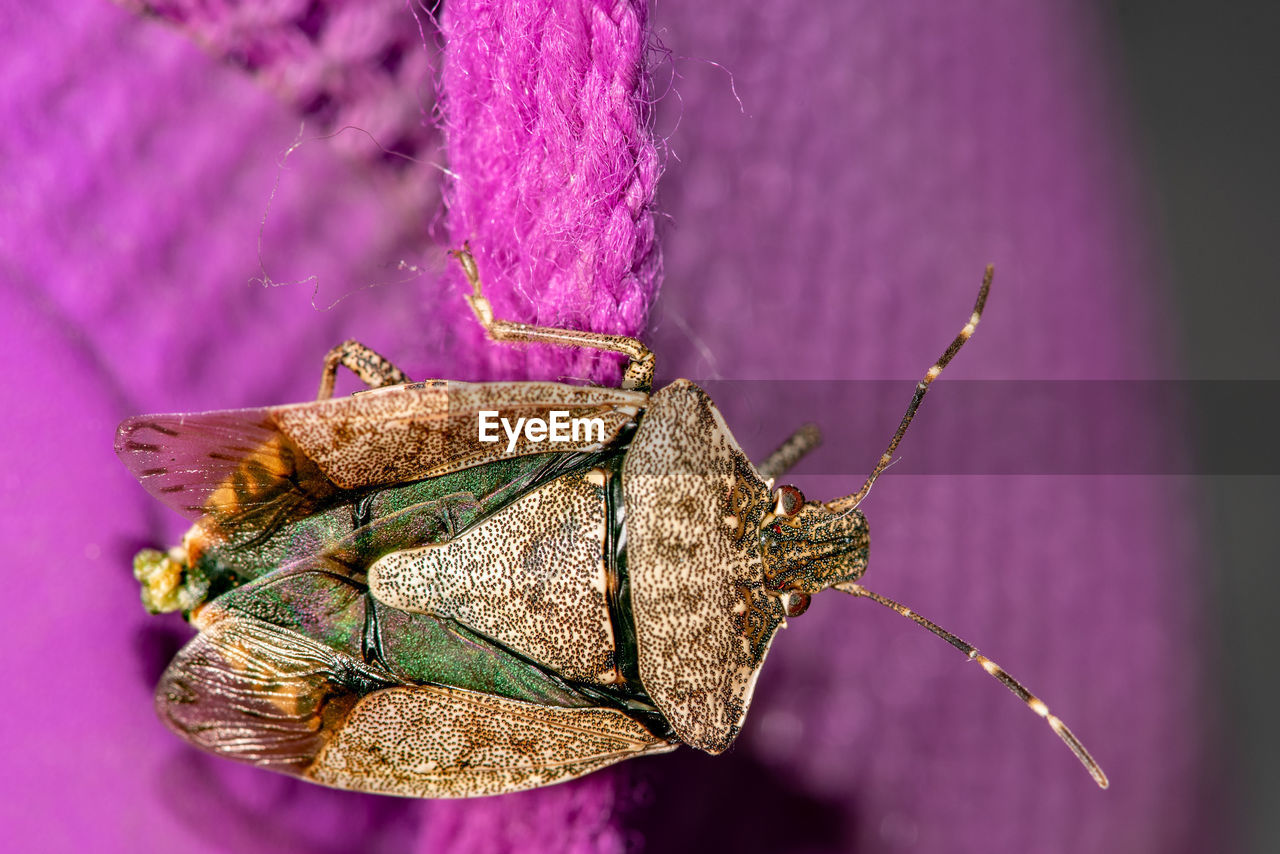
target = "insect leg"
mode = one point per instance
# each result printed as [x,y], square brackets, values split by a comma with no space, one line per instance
[371,637]
[639,370]
[372,369]
[851,501]
[790,452]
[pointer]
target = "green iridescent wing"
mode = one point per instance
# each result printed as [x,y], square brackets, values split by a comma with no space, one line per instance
[357,531]
[317,600]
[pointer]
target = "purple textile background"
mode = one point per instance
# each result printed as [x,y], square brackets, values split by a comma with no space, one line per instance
[831,225]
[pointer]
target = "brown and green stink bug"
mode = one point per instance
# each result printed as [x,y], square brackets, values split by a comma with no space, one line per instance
[392,600]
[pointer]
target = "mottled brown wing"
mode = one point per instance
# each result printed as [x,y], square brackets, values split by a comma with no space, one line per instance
[439,742]
[224,464]
[258,693]
[284,462]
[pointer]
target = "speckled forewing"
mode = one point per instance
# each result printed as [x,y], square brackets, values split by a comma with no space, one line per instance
[435,742]
[703,622]
[532,576]
[285,462]
[409,432]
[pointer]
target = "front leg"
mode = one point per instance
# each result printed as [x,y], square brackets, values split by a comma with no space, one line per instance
[638,373]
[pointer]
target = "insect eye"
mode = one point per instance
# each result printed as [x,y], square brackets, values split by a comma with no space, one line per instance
[787,501]
[795,603]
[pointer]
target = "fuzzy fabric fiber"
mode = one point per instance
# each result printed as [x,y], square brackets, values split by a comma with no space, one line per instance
[836,174]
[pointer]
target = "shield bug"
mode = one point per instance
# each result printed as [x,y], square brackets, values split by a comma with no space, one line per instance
[394,596]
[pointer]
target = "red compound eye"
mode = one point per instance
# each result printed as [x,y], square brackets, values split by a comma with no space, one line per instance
[787,501]
[795,603]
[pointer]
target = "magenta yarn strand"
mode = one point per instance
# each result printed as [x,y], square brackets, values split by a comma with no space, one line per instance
[547,121]
[546,117]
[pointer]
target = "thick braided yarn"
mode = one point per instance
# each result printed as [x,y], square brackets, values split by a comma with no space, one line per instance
[546,117]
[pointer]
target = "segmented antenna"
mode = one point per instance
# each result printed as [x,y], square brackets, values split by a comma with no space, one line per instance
[849,502]
[995,670]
